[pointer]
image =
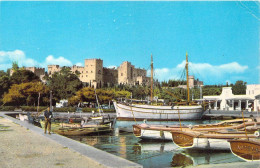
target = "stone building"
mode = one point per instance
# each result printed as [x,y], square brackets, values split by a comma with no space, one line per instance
[53,68]
[128,74]
[93,74]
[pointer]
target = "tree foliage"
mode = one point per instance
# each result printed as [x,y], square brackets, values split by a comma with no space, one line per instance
[23,76]
[64,84]
[26,94]
[4,83]
[239,88]
[87,94]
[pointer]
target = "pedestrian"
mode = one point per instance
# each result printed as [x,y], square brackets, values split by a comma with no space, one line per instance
[47,116]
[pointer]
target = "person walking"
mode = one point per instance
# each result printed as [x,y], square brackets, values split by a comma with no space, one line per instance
[47,116]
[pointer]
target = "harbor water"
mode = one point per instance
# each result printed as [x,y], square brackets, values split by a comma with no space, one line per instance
[121,142]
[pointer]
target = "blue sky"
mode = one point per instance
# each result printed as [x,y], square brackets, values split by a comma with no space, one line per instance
[221,38]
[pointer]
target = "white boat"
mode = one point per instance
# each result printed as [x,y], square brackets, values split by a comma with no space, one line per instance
[150,112]
[130,111]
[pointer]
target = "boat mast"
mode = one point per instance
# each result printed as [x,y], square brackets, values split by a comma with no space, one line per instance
[187,76]
[151,77]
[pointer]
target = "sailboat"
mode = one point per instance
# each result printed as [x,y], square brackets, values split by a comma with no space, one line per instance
[131,111]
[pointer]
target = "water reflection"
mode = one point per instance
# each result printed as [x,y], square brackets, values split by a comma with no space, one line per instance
[197,157]
[150,153]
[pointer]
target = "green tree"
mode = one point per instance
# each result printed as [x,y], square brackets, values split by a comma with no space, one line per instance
[23,76]
[64,84]
[26,93]
[4,83]
[239,88]
[15,66]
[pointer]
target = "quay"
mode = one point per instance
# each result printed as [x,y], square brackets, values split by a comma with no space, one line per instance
[224,114]
[25,145]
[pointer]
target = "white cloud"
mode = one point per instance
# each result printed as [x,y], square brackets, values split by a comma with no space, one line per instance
[7,57]
[50,60]
[204,71]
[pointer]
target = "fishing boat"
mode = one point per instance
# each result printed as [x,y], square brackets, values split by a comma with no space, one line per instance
[246,149]
[215,140]
[163,132]
[186,111]
[74,129]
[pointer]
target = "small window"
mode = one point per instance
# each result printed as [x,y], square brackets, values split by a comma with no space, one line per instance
[91,71]
[86,75]
[121,74]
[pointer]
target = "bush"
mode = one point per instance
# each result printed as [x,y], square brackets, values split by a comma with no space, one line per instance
[7,108]
[33,108]
[64,109]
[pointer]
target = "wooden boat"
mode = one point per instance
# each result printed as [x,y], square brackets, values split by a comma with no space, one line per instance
[248,150]
[214,140]
[163,132]
[83,131]
[73,129]
[131,111]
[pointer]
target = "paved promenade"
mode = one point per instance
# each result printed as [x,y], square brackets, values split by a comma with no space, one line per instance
[24,145]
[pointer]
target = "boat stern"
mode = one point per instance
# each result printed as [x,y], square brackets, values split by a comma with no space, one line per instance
[182,139]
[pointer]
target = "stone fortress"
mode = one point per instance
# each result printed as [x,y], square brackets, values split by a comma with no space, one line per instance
[93,74]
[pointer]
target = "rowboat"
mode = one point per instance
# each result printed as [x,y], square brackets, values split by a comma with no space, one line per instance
[83,131]
[215,140]
[163,132]
[73,129]
[246,149]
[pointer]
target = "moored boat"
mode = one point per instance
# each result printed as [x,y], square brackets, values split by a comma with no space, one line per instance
[67,131]
[246,149]
[74,129]
[163,132]
[208,140]
[126,111]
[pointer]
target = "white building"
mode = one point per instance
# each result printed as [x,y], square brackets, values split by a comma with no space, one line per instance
[228,101]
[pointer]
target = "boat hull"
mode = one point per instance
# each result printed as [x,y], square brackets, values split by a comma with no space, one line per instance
[246,150]
[157,113]
[204,141]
